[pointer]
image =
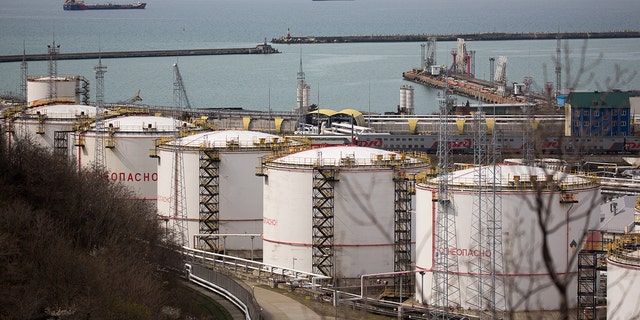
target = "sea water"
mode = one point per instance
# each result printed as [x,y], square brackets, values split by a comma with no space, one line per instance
[362,76]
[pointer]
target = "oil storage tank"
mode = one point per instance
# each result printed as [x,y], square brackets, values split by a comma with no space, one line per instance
[62,89]
[52,126]
[223,194]
[127,141]
[623,278]
[340,211]
[496,258]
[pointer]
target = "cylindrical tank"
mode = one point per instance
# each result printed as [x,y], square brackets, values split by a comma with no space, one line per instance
[351,186]
[127,141]
[409,105]
[66,89]
[224,162]
[623,276]
[403,97]
[406,99]
[570,208]
[52,126]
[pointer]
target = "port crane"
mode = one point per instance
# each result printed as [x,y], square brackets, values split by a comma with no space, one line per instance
[132,100]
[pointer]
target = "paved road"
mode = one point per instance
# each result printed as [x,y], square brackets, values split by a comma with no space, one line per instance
[277,306]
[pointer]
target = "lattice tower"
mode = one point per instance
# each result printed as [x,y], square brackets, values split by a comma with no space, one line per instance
[485,290]
[177,187]
[300,94]
[100,160]
[53,51]
[527,128]
[24,73]
[558,68]
[446,284]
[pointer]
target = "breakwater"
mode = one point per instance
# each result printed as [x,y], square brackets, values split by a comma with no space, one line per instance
[489,36]
[259,49]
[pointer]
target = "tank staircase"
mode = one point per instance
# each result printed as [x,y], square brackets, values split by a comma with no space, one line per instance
[209,207]
[61,142]
[402,282]
[40,126]
[324,179]
[592,292]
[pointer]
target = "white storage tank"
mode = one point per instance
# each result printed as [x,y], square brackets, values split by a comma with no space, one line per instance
[623,278]
[51,126]
[127,141]
[221,186]
[63,89]
[406,99]
[571,202]
[354,187]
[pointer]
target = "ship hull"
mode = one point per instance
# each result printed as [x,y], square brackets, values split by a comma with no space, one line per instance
[109,6]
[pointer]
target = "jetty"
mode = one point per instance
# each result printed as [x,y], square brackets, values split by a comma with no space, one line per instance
[259,49]
[489,36]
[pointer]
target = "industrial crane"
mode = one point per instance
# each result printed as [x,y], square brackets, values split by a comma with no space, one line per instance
[133,100]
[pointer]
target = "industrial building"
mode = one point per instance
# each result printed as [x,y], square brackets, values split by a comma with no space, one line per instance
[598,114]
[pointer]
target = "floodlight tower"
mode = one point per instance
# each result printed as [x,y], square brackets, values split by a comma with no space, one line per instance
[300,94]
[527,129]
[100,156]
[446,283]
[486,288]
[558,68]
[24,73]
[53,50]
[177,186]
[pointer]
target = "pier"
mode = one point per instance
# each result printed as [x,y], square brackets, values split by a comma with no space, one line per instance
[489,36]
[259,49]
[466,86]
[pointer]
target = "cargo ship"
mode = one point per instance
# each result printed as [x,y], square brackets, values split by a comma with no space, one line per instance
[80,5]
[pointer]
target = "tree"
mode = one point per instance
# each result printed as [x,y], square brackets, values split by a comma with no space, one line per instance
[74,248]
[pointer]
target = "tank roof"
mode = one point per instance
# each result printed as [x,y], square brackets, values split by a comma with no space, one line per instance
[514,176]
[348,156]
[241,138]
[63,110]
[144,123]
